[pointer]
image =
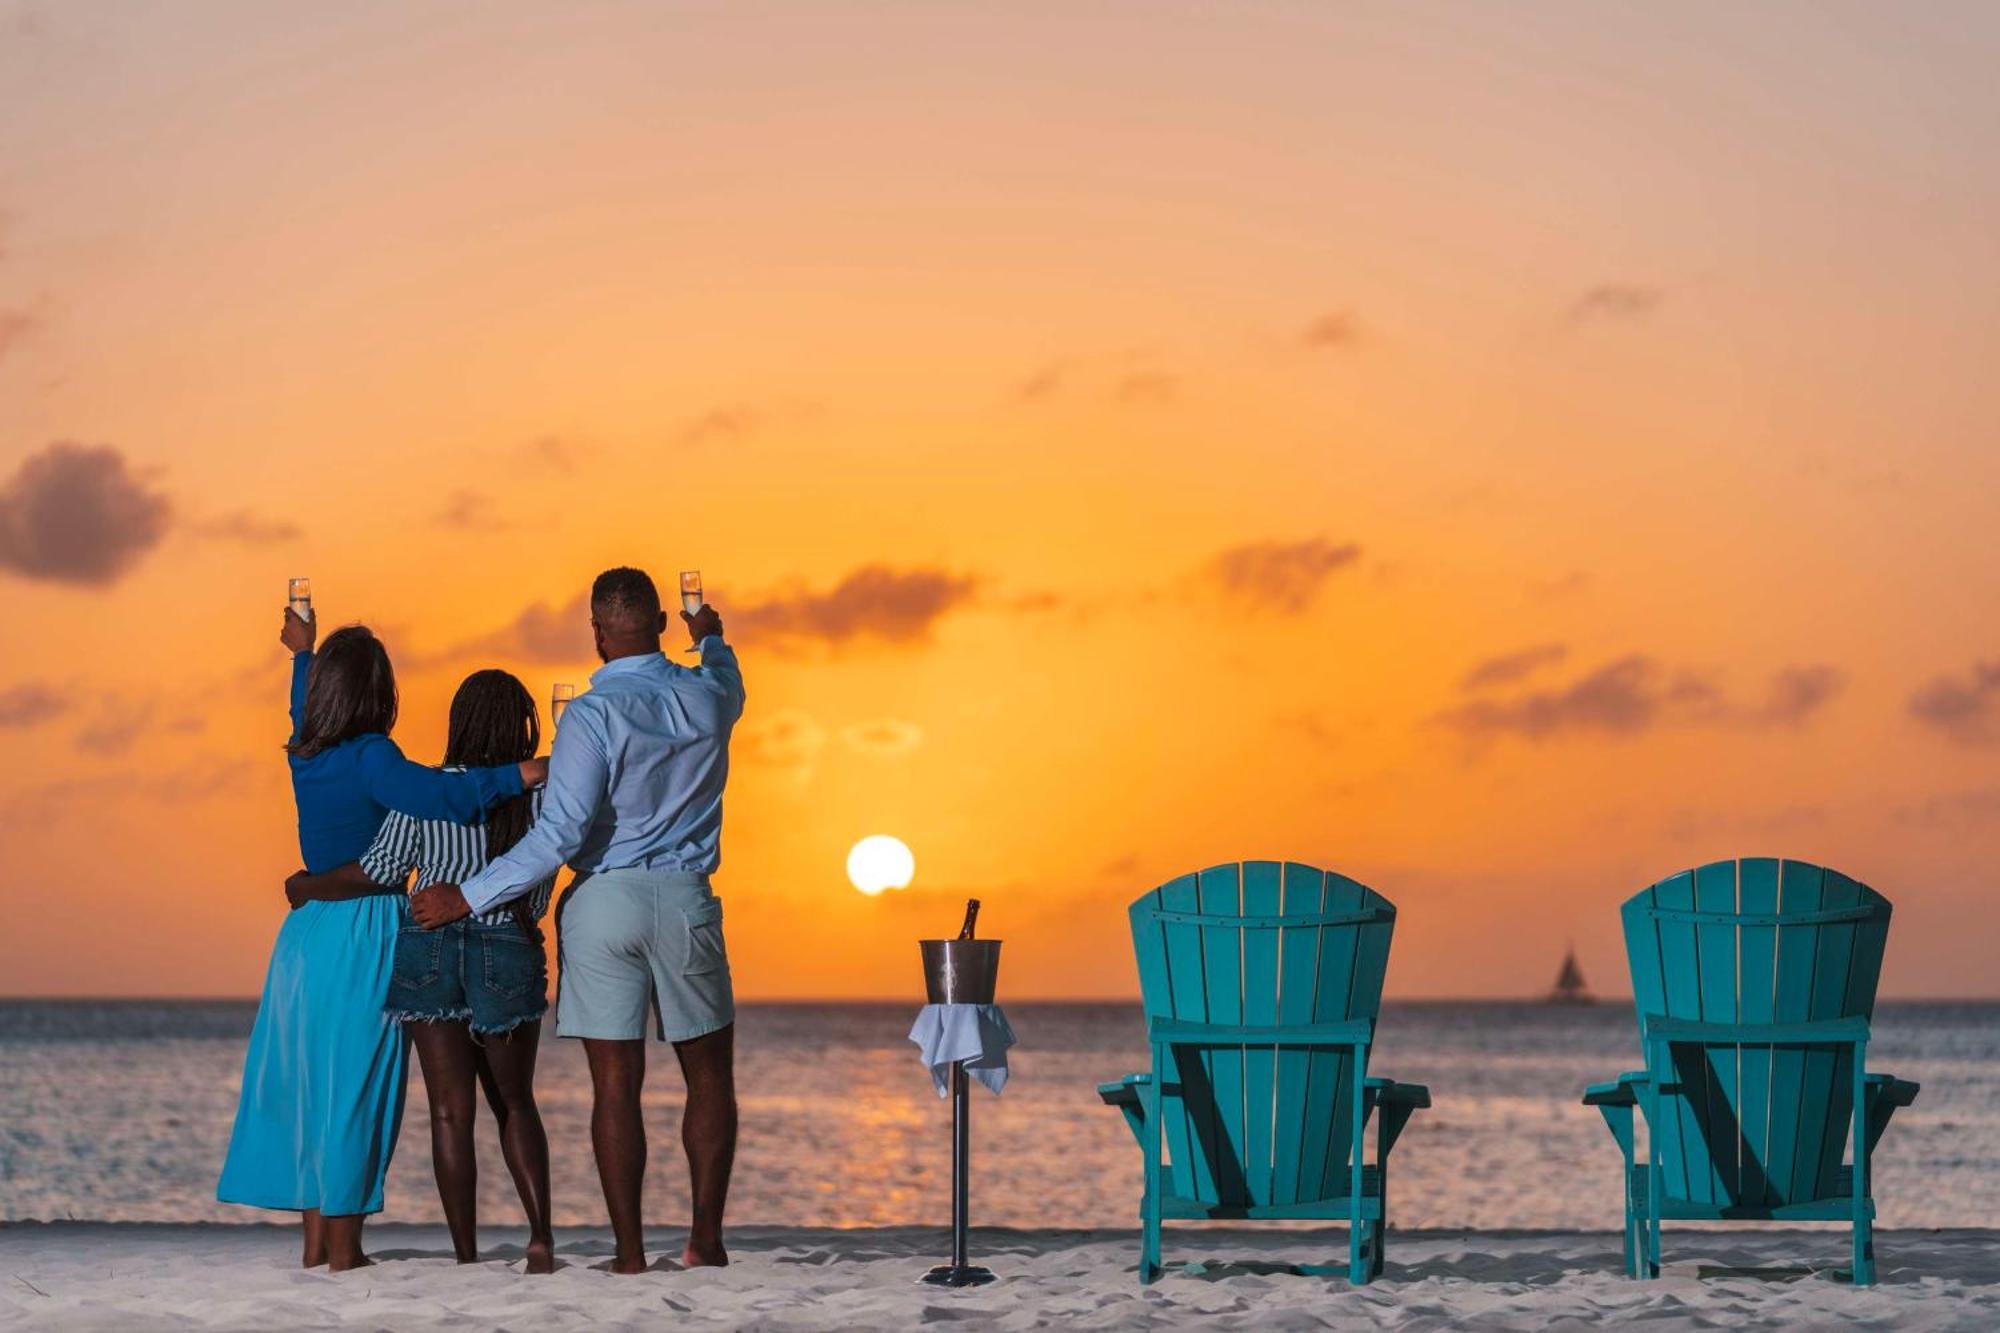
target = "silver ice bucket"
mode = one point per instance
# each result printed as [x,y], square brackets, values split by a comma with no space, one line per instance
[960,971]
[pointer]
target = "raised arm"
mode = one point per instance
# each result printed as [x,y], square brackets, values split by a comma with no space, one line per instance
[298,636]
[430,793]
[718,660]
[579,777]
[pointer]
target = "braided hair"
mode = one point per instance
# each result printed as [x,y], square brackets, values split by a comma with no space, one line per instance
[494,722]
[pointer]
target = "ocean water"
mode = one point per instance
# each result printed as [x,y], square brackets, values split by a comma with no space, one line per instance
[120,1111]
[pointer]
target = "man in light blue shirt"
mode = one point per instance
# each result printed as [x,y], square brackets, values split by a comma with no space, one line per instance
[634,805]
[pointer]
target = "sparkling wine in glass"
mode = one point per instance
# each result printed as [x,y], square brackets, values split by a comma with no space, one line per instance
[559,700]
[299,594]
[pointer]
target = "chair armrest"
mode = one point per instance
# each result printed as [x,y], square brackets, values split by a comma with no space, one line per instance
[1888,1090]
[1388,1092]
[1125,1092]
[1179,1032]
[1621,1091]
[1821,1032]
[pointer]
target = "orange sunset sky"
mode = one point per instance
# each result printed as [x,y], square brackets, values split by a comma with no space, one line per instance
[1507,453]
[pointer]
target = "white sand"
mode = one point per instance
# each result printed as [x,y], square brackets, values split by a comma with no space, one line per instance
[122,1276]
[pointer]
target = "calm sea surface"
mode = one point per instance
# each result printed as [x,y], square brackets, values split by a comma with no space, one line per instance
[119,1111]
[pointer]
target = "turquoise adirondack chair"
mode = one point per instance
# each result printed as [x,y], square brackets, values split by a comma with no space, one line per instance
[1261,983]
[1754,981]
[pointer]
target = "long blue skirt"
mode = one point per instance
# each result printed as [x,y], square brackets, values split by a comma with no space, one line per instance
[323,1080]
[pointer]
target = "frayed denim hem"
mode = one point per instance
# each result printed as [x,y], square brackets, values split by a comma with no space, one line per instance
[460,1015]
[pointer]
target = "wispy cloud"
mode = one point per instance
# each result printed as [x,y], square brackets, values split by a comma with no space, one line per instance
[544,634]
[16,326]
[1041,383]
[556,453]
[1277,575]
[1506,668]
[878,602]
[242,526]
[1146,388]
[1964,708]
[30,704]
[789,741]
[77,513]
[733,423]
[1636,693]
[469,511]
[1336,328]
[882,737]
[1616,301]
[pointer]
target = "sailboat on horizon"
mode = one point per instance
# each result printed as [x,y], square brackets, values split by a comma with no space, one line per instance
[1570,987]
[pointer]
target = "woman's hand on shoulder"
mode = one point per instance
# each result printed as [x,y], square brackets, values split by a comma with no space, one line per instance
[298,634]
[534,772]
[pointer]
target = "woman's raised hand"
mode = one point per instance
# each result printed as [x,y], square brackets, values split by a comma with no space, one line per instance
[298,634]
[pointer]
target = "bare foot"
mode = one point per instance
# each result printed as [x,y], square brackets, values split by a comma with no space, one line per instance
[710,1255]
[623,1264]
[541,1257]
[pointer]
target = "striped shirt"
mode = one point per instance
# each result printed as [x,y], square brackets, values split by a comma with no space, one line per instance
[442,852]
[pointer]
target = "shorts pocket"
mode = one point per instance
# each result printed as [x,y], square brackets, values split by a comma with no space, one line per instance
[705,953]
[419,957]
[513,966]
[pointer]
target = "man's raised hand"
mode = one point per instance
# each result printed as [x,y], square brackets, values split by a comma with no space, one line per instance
[702,624]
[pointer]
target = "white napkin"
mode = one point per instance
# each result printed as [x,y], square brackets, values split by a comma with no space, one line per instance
[978,1034]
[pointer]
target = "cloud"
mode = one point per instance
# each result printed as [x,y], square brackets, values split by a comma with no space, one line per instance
[1041,384]
[1965,708]
[541,635]
[554,452]
[1796,693]
[1335,329]
[15,327]
[1280,576]
[1621,697]
[789,741]
[882,737]
[1635,693]
[243,526]
[1616,300]
[30,704]
[1510,667]
[118,724]
[469,511]
[76,513]
[721,425]
[1146,388]
[872,602]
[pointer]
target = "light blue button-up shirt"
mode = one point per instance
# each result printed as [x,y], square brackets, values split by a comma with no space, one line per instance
[635,775]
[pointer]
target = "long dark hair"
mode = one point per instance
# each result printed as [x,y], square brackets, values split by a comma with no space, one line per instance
[350,692]
[494,722]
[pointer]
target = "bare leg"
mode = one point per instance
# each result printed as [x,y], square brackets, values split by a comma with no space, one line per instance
[315,1229]
[618,1135]
[507,1069]
[708,1133]
[343,1243]
[450,1064]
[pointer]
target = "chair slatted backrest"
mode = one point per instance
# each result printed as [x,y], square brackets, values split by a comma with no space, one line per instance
[1758,940]
[1245,1126]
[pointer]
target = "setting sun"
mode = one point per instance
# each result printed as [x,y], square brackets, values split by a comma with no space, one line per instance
[880,862]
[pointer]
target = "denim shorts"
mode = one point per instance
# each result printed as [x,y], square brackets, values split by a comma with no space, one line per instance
[491,977]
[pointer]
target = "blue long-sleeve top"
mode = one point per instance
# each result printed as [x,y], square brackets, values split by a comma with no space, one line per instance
[345,792]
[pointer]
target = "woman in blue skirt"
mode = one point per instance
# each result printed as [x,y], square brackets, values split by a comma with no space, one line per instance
[323,1080]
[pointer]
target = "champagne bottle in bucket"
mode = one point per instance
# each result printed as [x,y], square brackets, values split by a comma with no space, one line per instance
[299,595]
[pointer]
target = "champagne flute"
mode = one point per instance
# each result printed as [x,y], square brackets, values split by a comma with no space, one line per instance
[299,595]
[691,599]
[559,700]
